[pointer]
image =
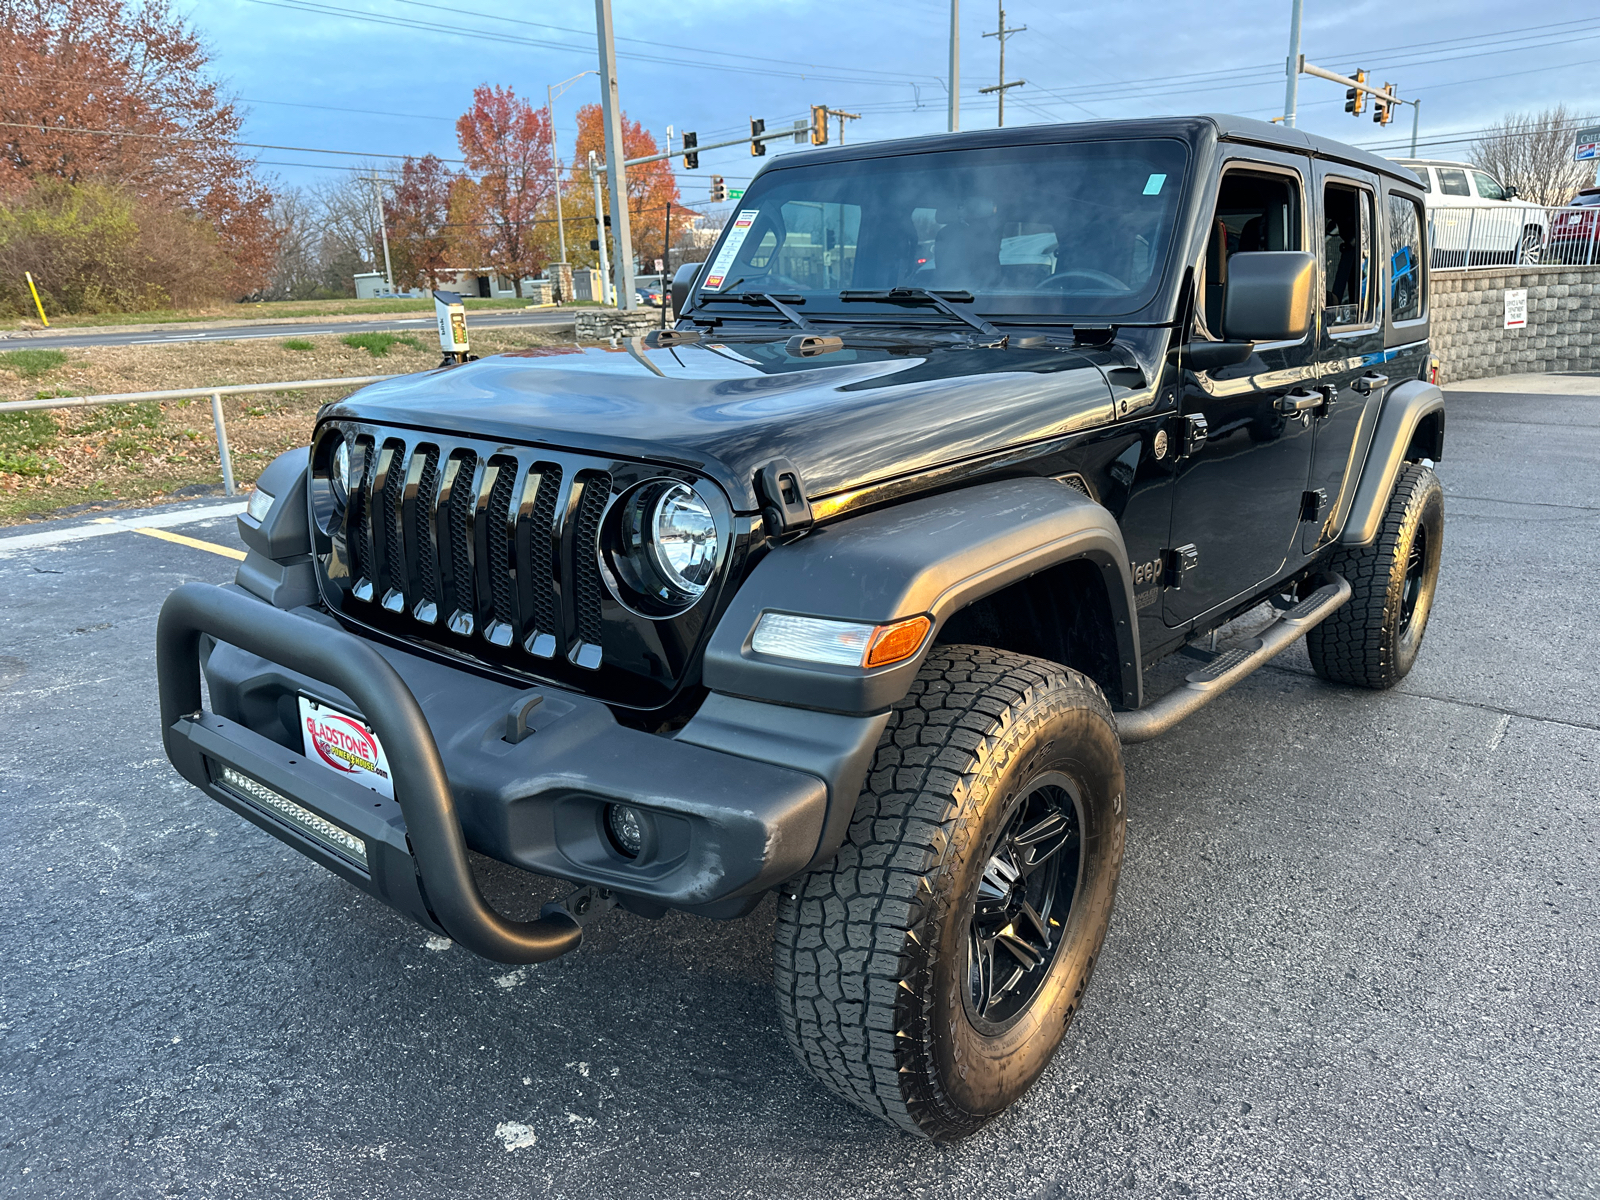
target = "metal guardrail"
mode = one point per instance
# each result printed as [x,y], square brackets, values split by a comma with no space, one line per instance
[1471,237]
[216,394]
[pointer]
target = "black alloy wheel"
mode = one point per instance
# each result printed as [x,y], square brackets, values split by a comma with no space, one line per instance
[929,971]
[1022,903]
[1373,640]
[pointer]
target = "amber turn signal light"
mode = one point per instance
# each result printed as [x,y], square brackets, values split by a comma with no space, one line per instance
[897,642]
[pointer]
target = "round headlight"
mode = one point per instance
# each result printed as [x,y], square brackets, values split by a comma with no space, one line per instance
[660,547]
[683,539]
[339,474]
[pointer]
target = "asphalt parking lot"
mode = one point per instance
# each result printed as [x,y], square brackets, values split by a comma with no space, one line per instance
[1356,951]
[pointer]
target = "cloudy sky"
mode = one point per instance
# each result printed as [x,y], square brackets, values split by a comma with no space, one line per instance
[390,76]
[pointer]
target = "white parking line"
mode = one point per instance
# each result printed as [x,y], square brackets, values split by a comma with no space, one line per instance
[102,526]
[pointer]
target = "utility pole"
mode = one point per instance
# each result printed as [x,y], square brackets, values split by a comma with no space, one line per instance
[600,229]
[955,65]
[1291,95]
[616,172]
[551,91]
[1416,116]
[383,229]
[843,117]
[1002,34]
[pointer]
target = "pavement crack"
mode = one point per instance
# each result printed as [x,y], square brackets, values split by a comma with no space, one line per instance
[1492,708]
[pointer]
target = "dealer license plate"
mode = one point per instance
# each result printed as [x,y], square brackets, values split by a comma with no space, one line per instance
[345,744]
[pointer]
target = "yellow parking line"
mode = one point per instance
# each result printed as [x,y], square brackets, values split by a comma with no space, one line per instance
[165,536]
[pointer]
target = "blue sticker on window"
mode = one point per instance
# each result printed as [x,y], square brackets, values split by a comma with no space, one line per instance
[1153,185]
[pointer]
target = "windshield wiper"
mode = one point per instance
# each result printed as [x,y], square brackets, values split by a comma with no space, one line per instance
[940,300]
[777,302]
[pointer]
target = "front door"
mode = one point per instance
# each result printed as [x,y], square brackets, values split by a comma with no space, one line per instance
[1350,355]
[1237,499]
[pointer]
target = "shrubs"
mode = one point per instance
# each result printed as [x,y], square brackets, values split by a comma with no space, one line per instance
[93,248]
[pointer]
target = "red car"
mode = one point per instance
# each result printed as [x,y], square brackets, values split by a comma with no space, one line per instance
[1575,230]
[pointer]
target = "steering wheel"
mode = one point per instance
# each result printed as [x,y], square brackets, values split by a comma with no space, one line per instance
[1084,273]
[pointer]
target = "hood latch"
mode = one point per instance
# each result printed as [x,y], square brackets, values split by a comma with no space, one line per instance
[785,508]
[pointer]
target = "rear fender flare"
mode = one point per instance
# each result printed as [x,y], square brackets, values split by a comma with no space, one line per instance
[930,556]
[1411,408]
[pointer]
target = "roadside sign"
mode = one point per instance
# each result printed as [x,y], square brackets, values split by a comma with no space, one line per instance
[735,193]
[1516,308]
[1588,144]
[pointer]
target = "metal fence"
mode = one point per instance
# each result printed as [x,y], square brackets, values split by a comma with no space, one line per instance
[216,394]
[1498,235]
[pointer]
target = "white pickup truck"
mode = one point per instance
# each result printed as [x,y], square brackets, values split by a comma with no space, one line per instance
[1474,219]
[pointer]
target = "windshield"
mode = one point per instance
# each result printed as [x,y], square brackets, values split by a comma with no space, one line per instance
[1075,229]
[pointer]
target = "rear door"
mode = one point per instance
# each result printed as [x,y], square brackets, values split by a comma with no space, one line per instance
[1236,500]
[1350,353]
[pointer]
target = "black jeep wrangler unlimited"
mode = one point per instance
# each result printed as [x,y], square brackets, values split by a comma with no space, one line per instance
[845,586]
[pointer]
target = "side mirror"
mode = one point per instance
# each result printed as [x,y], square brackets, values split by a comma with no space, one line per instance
[1269,296]
[682,280]
[1510,190]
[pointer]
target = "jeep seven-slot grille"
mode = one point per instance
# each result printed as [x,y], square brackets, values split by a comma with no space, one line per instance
[488,548]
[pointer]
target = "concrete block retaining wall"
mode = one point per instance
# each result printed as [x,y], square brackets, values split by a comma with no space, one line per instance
[1562,334]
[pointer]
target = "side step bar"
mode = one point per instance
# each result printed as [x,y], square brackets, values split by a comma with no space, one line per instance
[1210,681]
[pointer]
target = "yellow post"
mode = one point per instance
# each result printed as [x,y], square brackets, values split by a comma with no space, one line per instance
[28,275]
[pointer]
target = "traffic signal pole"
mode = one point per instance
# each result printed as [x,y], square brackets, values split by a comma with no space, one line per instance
[616,168]
[1291,95]
[771,135]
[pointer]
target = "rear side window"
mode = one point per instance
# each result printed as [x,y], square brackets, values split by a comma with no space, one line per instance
[1424,177]
[1350,294]
[1453,182]
[1488,186]
[1405,259]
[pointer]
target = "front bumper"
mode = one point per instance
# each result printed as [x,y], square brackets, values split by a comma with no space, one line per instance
[723,826]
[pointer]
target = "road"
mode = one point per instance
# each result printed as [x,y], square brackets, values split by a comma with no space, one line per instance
[163,334]
[1354,955]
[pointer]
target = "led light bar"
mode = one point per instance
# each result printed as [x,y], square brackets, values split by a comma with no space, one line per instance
[838,643]
[303,820]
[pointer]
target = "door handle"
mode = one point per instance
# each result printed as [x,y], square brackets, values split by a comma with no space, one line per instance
[1299,401]
[1369,383]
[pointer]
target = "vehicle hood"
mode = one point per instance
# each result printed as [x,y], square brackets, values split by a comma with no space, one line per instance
[860,416]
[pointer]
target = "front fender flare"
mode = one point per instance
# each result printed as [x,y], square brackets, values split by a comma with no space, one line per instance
[1405,408]
[935,556]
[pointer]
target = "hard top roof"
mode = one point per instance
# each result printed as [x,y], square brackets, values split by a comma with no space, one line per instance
[1226,128]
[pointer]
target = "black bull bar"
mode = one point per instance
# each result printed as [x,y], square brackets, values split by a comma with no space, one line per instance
[432,834]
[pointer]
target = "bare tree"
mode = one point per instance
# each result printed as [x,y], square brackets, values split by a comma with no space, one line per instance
[1533,153]
[297,267]
[349,217]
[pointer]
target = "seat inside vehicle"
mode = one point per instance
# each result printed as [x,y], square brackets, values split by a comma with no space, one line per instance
[1255,211]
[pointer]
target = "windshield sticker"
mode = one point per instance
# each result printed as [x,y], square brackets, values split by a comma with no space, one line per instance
[1153,185]
[730,249]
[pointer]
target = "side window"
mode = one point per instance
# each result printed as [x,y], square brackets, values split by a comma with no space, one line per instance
[1406,300]
[1453,182]
[1256,210]
[1488,186]
[1350,295]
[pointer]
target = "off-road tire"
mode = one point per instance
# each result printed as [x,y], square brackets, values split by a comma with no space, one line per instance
[872,950]
[1372,641]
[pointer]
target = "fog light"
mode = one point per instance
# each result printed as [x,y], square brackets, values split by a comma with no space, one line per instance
[625,824]
[301,819]
[260,505]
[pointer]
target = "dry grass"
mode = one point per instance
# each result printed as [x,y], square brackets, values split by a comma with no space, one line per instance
[149,452]
[272,310]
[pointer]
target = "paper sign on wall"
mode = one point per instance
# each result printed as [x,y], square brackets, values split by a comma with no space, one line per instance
[730,248]
[1516,308]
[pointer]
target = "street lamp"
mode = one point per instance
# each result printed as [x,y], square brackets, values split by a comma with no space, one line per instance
[551,91]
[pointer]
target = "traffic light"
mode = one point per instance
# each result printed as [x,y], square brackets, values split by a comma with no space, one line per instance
[1355,100]
[691,157]
[1383,109]
[757,146]
[819,124]
[719,190]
